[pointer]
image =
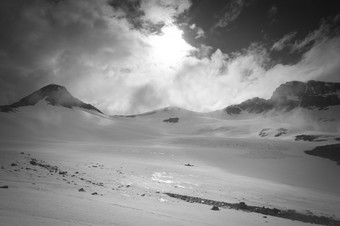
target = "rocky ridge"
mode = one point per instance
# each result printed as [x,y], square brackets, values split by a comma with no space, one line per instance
[291,95]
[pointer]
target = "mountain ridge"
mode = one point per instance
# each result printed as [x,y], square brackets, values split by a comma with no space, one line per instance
[286,97]
[55,95]
[291,95]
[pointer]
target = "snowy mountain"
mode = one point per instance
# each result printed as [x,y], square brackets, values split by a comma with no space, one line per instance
[54,95]
[291,95]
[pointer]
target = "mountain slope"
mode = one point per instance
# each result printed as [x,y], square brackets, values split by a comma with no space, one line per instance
[54,95]
[291,95]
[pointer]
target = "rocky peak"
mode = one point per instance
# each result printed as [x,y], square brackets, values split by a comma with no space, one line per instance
[54,95]
[53,88]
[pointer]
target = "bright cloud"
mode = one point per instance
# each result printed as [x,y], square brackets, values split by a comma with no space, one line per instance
[163,11]
[169,48]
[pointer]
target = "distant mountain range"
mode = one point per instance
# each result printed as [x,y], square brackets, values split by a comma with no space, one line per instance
[54,95]
[288,96]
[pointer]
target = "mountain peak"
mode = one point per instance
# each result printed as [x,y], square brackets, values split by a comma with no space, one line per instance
[53,87]
[54,94]
[293,94]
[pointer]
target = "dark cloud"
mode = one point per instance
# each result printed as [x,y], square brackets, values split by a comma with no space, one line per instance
[129,9]
[272,11]
[48,41]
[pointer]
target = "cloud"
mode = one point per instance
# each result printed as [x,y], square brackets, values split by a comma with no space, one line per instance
[90,47]
[147,97]
[192,26]
[315,36]
[284,41]
[272,12]
[163,11]
[199,33]
[328,28]
[204,51]
[232,11]
[98,53]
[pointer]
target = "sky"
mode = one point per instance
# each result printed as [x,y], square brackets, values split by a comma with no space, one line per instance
[133,56]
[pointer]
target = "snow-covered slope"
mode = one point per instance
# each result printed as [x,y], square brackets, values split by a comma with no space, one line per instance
[126,164]
[44,121]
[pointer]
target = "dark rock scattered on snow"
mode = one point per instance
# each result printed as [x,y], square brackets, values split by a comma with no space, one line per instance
[63,172]
[287,214]
[280,132]
[171,120]
[81,190]
[42,164]
[215,208]
[94,193]
[188,164]
[264,132]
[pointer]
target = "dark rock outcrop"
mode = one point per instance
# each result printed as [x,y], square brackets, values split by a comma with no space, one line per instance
[171,120]
[215,208]
[188,164]
[55,95]
[312,138]
[288,96]
[242,206]
[255,105]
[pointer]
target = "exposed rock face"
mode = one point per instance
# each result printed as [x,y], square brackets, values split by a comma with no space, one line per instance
[313,94]
[54,95]
[254,105]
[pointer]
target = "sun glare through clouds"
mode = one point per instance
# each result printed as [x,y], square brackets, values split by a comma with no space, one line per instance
[169,47]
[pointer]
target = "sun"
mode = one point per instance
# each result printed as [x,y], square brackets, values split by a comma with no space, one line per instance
[169,47]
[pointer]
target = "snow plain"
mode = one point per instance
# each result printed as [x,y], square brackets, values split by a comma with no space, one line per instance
[129,162]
